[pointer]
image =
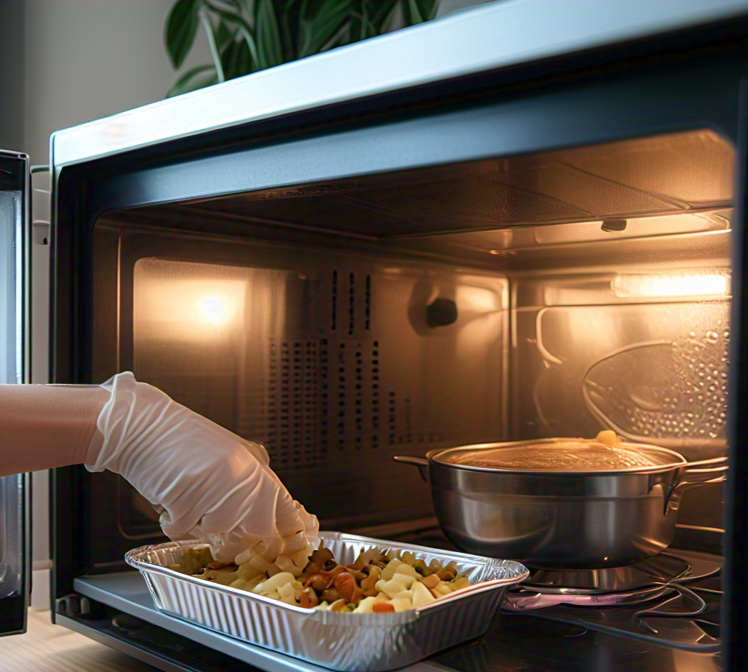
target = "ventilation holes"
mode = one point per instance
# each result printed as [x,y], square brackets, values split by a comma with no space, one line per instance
[334,302]
[392,417]
[358,305]
[293,401]
[367,306]
[324,387]
[326,398]
[375,426]
[350,397]
[341,405]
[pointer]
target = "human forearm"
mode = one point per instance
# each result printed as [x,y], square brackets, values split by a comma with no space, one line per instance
[205,481]
[45,426]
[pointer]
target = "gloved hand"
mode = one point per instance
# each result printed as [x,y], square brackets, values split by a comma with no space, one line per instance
[206,482]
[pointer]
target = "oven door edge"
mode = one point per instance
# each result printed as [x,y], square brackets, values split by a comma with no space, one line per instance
[15,514]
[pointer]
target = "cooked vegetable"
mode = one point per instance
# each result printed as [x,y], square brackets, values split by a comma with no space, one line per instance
[377,582]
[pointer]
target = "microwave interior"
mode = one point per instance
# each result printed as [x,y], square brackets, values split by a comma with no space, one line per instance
[344,322]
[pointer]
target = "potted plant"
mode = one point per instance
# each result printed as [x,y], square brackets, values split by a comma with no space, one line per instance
[245,36]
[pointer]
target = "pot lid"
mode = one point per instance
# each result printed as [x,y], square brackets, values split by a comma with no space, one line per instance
[570,455]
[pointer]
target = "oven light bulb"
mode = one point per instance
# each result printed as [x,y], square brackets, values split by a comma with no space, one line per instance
[213,310]
[682,284]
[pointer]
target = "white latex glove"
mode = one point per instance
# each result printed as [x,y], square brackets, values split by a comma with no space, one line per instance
[206,482]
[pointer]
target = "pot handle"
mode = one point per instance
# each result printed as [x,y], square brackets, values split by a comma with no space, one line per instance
[421,462]
[701,472]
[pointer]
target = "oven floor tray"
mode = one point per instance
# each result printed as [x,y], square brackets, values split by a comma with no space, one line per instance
[127,592]
[512,642]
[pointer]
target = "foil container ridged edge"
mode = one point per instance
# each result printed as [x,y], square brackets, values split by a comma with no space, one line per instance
[360,642]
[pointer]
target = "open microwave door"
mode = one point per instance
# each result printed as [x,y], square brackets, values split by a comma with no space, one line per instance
[15,557]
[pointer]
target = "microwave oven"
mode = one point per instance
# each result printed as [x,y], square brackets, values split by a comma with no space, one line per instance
[521,221]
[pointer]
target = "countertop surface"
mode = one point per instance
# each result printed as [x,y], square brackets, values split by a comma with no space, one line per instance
[47,647]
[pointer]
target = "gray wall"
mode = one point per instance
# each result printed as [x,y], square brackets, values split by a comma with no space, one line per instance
[71,61]
[11,74]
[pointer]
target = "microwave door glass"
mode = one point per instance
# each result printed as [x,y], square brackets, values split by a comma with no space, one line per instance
[14,554]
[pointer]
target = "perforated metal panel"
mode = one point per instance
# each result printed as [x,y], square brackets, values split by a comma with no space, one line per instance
[334,363]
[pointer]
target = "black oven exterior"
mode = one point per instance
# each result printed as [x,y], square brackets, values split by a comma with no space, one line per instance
[675,80]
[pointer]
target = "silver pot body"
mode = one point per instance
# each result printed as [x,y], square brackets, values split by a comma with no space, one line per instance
[562,519]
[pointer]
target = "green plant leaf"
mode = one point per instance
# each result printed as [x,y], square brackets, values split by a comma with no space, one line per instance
[224,33]
[380,15]
[291,24]
[236,59]
[214,52]
[181,27]
[249,35]
[319,30]
[370,18]
[189,81]
[267,35]
[238,19]
[246,9]
[418,11]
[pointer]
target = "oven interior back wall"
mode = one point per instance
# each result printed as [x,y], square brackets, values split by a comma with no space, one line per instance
[345,322]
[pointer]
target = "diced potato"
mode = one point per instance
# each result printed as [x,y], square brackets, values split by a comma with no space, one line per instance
[366,606]
[405,579]
[402,603]
[421,595]
[389,571]
[404,595]
[441,589]
[289,592]
[274,582]
[404,582]
[407,569]
[390,588]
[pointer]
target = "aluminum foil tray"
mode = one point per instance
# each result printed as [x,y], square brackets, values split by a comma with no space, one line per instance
[360,642]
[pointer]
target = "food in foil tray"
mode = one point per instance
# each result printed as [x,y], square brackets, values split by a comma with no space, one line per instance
[377,582]
[341,640]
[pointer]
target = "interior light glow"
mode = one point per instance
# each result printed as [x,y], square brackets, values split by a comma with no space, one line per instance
[194,308]
[676,284]
[214,309]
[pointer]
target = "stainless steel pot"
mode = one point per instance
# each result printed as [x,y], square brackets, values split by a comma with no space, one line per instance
[572,519]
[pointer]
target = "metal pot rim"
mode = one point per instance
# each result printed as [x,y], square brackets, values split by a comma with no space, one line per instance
[678,460]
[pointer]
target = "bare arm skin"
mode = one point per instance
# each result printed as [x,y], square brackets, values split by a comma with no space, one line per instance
[45,426]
